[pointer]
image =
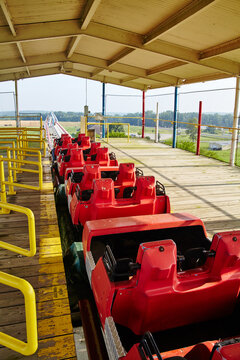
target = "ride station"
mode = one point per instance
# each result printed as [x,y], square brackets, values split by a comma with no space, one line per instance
[126,248]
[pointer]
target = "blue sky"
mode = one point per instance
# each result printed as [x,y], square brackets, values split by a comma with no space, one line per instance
[68,93]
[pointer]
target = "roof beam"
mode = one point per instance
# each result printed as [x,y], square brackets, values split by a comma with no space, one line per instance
[220,49]
[203,78]
[71,28]
[20,49]
[127,79]
[99,64]
[187,11]
[167,66]
[96,72]
[28,71]
[56,70]
[120,55]
[102,64]
[7,15]
[107,79]
[8,18]
[72,45]
[88,12]
[191,56]
[24,74]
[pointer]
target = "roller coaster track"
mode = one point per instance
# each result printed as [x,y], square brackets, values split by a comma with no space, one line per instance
[53,128]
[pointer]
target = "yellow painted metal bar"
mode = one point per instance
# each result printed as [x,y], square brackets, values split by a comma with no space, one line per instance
[41,126]
[30,187]
[154,119]
[117,117]
[14,163]
[124,124]
[20,129]
[8,137]
[20,116]
[42,142]
[10,173]
[10,182]
[29,150]
[3,187]
[25,170]
[30,347]
[31,231]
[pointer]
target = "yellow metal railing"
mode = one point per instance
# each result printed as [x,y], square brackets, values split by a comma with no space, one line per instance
[17,345]
[128,125]
[11,183]
[18,141]
[6,208]
[107,124]
[25,135]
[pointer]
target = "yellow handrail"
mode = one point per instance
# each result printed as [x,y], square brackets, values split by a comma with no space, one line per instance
[31,345]
[107,124]
[31,230]
[12,184]
[23,138]
[42,142]
[128,125]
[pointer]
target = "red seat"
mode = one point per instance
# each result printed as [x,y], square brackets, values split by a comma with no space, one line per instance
[89,173]
[76,160]
[126,178]
[92,151]
[63,144]
[228,351]
[103,203]
[163,298]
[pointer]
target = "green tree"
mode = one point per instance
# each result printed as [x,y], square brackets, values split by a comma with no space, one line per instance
[192,129]
[116,128]
[211,130]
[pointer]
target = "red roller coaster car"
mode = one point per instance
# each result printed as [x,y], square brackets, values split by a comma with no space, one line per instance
[101,202]
[160,273]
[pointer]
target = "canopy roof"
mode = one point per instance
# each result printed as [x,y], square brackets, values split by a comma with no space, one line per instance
[143,44]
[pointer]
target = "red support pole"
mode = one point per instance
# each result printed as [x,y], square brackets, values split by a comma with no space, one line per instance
[143,112]
[199,127]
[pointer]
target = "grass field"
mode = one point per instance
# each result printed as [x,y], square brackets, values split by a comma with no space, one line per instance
[24,123]
[185,143]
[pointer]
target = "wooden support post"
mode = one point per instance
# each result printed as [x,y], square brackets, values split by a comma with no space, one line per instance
[156,127]
[175,117]
[199,128]
[235,124]
[17,108]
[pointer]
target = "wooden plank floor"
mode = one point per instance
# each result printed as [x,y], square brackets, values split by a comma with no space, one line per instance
[201,186]
[45,271]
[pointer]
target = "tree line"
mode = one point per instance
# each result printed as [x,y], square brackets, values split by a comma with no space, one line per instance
[207,118]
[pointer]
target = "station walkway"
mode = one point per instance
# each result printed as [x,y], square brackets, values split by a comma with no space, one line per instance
[44,271]
[201,186]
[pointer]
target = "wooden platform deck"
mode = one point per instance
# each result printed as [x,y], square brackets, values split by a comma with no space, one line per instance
[204,187]
[45,271]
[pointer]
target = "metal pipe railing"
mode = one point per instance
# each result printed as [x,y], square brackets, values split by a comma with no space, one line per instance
[31,230]
[10,181]
[27,290]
